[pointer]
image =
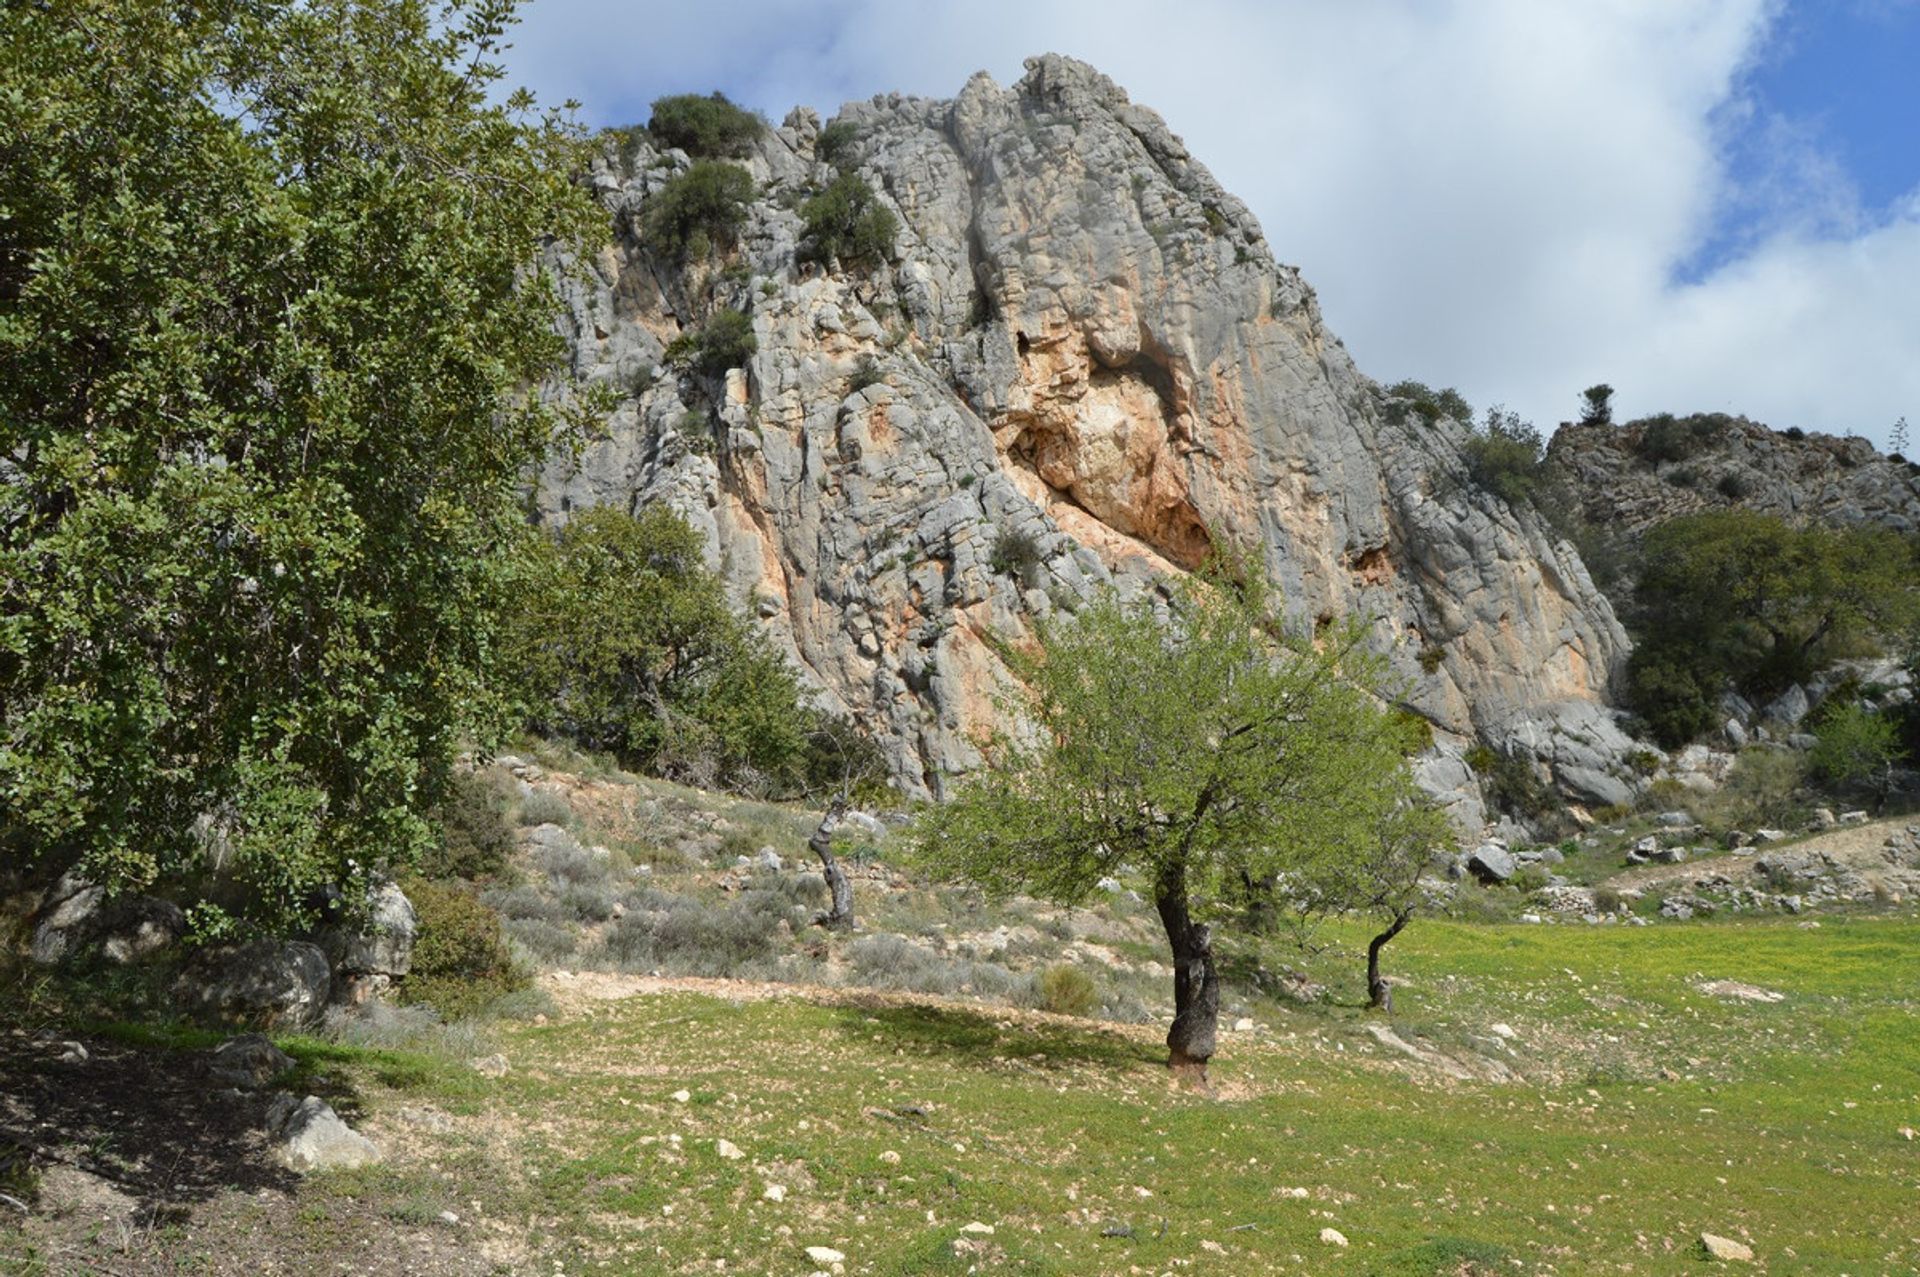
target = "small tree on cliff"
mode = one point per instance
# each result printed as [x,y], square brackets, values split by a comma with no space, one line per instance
[1191,741]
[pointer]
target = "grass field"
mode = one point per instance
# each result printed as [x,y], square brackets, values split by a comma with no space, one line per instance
[1648,1112]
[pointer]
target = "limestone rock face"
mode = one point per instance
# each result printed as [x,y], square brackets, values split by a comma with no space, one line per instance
[1632,477]
[1083,369]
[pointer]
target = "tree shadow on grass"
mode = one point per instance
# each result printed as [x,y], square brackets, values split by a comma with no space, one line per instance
[984,1039]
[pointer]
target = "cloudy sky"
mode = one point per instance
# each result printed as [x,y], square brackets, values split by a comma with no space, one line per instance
[1709,204]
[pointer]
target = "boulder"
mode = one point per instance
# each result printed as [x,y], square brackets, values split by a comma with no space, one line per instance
[1667,855]
[768,860]
[1786,711]
[1726,1248]
[248,1061]
[1491,863]
[307,1135]
[268,983]
[381,943]
[65,916]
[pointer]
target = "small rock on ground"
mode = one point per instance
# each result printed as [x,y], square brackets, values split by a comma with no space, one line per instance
[1333,1237]
[1726,1248]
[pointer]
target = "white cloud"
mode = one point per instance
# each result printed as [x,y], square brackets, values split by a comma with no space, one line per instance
[1495,194]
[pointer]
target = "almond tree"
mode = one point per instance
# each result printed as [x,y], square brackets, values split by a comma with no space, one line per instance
[1185,738]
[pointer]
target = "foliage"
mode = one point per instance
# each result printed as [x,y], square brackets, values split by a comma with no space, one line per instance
[847,221]
[1897,438]
[725,341]
[1511,785]
[702,207]
[460,959]
[1065,989]
[1741,600]
[866,372]
[835,144]
[629,646]
[1426,403]
[1504,457]
[474,837]
[544,807]
[709,126]
[1016,554]
[273,294]
[1855,746]
[1206,745]
[1669,438]
[1596,405]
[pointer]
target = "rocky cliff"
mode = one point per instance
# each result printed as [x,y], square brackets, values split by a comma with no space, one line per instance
[1630,478]
[1082,368]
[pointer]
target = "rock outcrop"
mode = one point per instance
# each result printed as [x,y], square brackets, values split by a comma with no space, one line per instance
[1083,368]
[1630,478]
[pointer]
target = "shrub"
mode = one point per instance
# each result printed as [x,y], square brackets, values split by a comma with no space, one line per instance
[1016,554]
[847,221]
[544,941]
[1668,696]
[704,206]
[866,372]
[1431,657]
[705,126]
[1854,745]
[1734,486]
[460,958]
[1596,405]
[1504,457]
[692,938]
[1065,989]
[544,807]
[725,341]
[474,840]
[1426,403]
[835,144]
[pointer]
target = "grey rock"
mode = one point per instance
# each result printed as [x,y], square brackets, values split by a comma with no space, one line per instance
[1668,855]
[1491,863]
[1552,856]
[248,1061]
[381,944]
[1789,708]
[1769,835]
[70,908]
[1823,818]
[1086,341]
[270,983]
[1735,732]
[1676,819]
[307,1135]
[768,859]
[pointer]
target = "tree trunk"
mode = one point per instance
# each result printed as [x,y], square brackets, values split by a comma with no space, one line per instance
[839,915]
[1379,991]
[1196,984]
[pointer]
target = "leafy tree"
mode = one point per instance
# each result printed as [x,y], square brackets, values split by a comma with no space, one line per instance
[703,206]
[1504,457]
[1596,405]
[1425,402]
[1737,599]
[725,341]
[273,289]
[707,126]
[1856,746]
[1189,740]
[1380,879]
[847,221]
[629,646]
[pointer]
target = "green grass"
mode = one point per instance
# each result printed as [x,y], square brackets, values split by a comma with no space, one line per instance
[1654,1112]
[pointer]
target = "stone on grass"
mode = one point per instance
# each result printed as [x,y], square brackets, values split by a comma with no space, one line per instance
[267,983]
[728,1149]
[978,1229]
[1333,1237]
[490,1065]
[309,1136]
[774,1193]
[1491,863]
[248,1061]
[1726,1248]
[825,1255]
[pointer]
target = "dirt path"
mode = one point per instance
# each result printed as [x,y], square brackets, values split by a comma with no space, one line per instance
[1855,845]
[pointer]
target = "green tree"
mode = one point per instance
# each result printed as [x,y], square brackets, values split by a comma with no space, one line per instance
[628,645]
[704,206]
[705,126]
[1856,746]
[1738,599]
[1380,879]
[1596,405]
[1504,456]
[847,221]
[272,290]
[1188,740]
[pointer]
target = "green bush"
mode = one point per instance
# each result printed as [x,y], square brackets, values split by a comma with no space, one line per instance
[1426,403]
[1065,989]
[1668,697]
[1855,746]
[835,144]
[848,222]
[1016,554]
[1669,438]
[474,837]
[544,807]
[630,646]
[705,126]
[866,372]
[704,206]
[1596,405]
[1504,457]
[461,961]
[725,341]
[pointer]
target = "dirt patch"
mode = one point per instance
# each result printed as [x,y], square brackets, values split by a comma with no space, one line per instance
[1855,845]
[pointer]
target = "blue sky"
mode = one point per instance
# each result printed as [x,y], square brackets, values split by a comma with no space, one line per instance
[1710,204]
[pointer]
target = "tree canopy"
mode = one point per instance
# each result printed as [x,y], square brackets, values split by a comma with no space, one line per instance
[1739,600]
[1190,741]
[271,298]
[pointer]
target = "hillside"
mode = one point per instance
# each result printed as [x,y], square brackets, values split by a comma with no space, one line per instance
[1079,366]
